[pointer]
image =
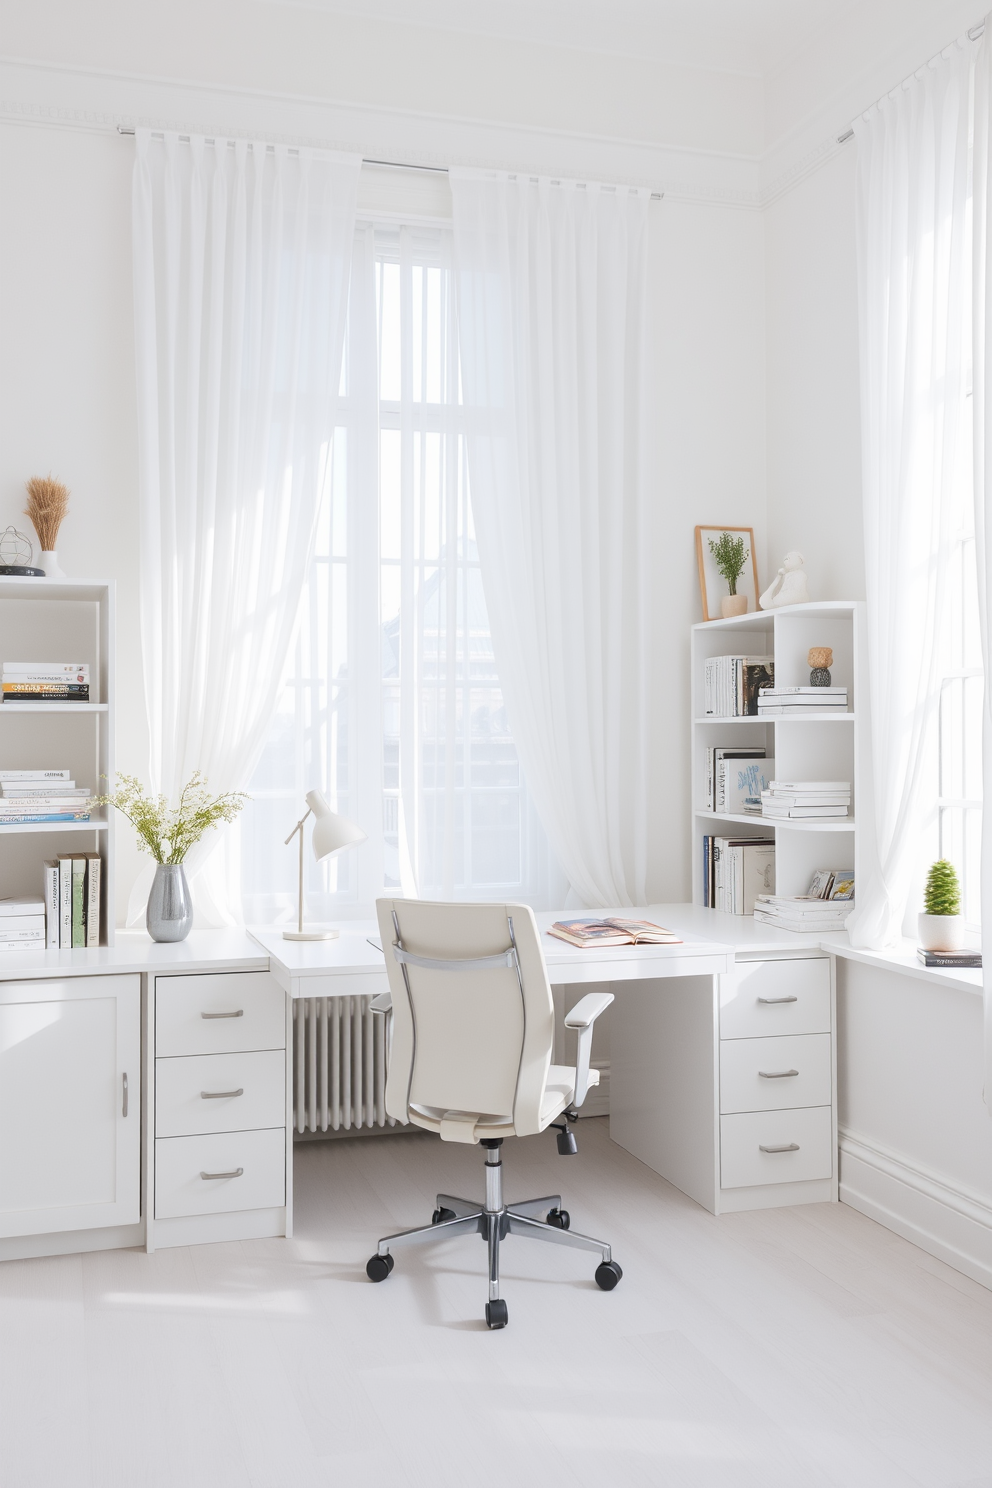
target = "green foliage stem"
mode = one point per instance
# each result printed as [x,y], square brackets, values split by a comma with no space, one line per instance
[942,895]
[168,833]
[730,556]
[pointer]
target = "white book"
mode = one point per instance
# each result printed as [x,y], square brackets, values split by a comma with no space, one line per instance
[52,904]
[21,904]
[11,923]
[810,785]
[37,932]
[61,668]
[34,775]
[91,902]
[29,790]
[802,813]
[17,805]
[23,945]
[65,901]
[781,710]
[798,926]
[743,783]
[804,691]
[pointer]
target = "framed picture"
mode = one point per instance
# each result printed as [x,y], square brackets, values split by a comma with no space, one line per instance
[735,550]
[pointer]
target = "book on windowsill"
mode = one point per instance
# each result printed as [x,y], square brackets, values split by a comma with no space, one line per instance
[964,959]
[586,932]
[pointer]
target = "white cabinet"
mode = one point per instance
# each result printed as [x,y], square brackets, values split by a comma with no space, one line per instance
[220,1149]
[70,1104]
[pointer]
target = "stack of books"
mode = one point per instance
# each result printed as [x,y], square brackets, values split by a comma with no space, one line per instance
[28,796]
[824,908]
[46,682]
[806,702]
[731,684]
[22,924]
[736,871]
[969,960]
[801,799]
[73,889]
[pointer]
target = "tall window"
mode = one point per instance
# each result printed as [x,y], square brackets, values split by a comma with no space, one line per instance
[959,748]
[392,703]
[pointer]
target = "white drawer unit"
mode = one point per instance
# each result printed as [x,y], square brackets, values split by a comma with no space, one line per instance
[220,1092]
[771,1147]
[220,1173]
[772,1074]
[760,999]
[221,1144]
[219,1014]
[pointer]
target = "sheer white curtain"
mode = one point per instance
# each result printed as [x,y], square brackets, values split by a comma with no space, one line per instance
[915,283]
[242,255]
[982,376]
[551,283]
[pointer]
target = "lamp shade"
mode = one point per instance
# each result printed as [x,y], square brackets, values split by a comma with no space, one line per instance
[331,832]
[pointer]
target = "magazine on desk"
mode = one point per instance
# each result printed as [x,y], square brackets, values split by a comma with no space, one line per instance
[615,931]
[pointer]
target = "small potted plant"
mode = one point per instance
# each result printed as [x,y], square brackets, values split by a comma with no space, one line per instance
[168,833]
[942,924]
[730,556]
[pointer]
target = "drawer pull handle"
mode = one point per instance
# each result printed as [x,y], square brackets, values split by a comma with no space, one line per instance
[768,1000]
[776,1074]
[234,1173]
[124,1096]
[239,1014]
[789,1147]
[221,1094]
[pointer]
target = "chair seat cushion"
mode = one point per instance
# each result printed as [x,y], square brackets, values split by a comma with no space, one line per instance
[457,1125]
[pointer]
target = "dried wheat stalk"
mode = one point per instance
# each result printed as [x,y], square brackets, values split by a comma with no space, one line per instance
[48,503]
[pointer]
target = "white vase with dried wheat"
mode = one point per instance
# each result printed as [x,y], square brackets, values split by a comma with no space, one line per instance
[48,503]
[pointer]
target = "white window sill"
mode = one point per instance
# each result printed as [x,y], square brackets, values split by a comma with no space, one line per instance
[903,958]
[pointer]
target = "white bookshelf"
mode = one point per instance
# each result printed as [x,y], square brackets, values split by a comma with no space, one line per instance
[818,748]
[59,620]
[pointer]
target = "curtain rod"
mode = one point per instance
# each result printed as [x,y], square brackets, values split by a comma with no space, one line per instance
[975,34]
[441,170]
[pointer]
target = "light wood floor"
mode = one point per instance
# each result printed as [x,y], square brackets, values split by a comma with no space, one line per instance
[782,1349]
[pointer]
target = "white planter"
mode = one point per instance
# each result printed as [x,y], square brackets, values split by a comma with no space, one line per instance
[50,563]
[941,932]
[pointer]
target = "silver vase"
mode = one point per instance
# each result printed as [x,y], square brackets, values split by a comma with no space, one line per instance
[169,915]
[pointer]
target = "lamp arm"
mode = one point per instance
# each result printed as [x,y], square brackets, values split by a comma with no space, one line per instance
[298,827]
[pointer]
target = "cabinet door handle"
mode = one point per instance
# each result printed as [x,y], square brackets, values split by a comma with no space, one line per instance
[768,1000]
[124,1095]
[234,1173]
[239,1014]
[776,1074]
[220,1094]
[788,1147]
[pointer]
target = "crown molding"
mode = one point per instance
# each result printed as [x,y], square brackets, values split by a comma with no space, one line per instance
[78,99]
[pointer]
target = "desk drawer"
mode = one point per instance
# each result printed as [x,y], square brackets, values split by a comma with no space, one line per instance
[806,1136]
[180,1161]
[220,1014]
[761,998]
[773,1074]
[188,1098]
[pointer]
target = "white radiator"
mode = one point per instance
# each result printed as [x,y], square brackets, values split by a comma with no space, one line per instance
[339,1065]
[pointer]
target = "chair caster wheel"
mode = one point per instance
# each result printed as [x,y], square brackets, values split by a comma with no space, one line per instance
[379,1267]
[496,1314]
[559,1218]
[608,1273]
[440,1216]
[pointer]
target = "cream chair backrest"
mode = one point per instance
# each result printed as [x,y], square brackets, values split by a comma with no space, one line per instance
[467,1040]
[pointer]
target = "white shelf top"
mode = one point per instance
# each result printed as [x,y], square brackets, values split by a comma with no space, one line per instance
[27,587]
[96,825]
[52,708]
[803,823]
[824,609]
[203,950]
[776,718]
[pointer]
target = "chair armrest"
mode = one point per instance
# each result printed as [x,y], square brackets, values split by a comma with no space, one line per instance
[582,1017]
[382,1004]
[587,1010]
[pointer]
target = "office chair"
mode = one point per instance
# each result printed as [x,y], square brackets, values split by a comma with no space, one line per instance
[470,1042]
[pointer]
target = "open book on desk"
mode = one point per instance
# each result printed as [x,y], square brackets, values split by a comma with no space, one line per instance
[615,931]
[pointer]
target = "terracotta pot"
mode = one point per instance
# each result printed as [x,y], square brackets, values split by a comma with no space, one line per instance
[733,604]
[941,932]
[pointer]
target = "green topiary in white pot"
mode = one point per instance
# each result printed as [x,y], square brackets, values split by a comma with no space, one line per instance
[942,923]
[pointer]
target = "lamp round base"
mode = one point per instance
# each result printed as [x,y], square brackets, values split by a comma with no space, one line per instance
[310,934]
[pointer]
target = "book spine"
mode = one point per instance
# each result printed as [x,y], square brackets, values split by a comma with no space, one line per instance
[46,816]
[59,668]
[51,881]
[22,936]
[94,874]
[46,696]
[6,775]
[23,945]
[65,903]
[42,686]
[78,883]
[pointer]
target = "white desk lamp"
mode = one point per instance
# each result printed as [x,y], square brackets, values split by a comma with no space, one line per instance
[331,834]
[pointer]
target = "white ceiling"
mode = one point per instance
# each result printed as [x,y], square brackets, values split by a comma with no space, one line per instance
[748,36]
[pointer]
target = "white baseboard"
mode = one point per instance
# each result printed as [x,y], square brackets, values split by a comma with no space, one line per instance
[72,1242]
[947,1222]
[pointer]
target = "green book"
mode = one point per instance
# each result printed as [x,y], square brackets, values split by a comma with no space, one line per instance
[78,902]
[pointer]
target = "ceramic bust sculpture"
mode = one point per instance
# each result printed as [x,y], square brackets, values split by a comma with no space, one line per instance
[788,586]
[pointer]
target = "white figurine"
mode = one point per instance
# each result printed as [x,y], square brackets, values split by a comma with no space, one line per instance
[788,586]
